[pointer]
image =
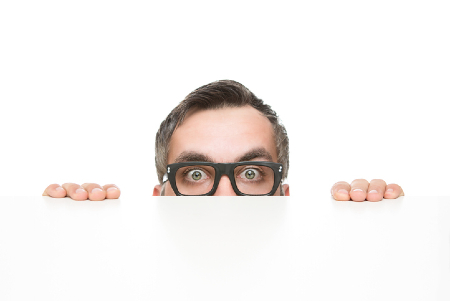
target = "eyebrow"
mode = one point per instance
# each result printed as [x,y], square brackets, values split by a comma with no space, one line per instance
[190,156]
[255,153]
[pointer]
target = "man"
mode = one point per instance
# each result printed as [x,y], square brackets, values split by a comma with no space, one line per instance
[223,140]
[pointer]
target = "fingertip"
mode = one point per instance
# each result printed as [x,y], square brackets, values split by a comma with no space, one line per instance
[374,196]
[97,194]
[390,195]
[60,192]
[340,191]
[112,193]
[358,195]
[341,195]
[80,195]
[393,191]
[55,191]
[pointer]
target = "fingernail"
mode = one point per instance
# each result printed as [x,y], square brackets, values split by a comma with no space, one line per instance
[357,189]
[111,188]
[343,191]
[80,190]
[373,191]
[390,190]
[96,189]
[59,188]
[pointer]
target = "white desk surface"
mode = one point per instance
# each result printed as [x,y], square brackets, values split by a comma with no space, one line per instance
[224,248]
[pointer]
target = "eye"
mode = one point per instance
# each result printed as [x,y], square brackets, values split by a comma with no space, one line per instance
[250,174]
[196,175]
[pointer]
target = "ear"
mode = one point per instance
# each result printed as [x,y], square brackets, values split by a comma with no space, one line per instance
[286,189]
[157,190]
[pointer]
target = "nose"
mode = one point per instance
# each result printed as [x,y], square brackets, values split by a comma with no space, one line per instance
[225,188]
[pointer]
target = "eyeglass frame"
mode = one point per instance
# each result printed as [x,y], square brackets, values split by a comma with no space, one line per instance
[224,169]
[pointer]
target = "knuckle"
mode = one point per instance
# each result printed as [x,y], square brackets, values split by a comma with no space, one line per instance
[90,185]
[378,181]
[69,185]
[52,186]
[360,181]
[391,186]
[340,184]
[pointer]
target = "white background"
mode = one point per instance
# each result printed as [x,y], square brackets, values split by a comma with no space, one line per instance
[361,86]
[253,248]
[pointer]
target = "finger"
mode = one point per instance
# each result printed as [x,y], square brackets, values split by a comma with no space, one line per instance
[393,191]
[75,191]
[359,190]
[112,191]
[376,190]
[55,191]
[340,191]
[96,192]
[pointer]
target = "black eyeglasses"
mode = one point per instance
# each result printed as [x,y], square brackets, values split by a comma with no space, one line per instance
[202,178]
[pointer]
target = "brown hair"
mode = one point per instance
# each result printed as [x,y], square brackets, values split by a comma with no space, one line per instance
[216,95]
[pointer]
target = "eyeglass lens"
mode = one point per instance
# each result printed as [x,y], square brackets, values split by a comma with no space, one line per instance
[250,179]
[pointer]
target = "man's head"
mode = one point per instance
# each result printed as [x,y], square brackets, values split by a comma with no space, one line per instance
[222,122]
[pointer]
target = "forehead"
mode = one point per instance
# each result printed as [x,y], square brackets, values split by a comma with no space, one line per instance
[223,134]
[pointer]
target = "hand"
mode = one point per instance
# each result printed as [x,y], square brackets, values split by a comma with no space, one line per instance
[361,190]
[91,191]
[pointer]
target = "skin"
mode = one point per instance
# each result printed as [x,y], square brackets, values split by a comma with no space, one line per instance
[224,136]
